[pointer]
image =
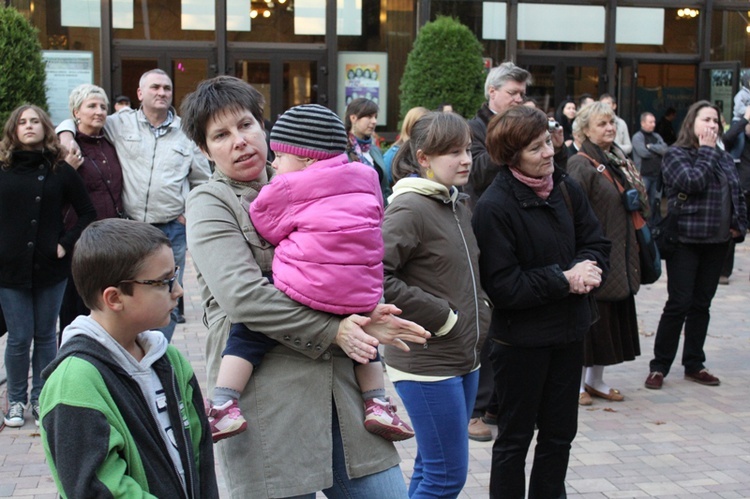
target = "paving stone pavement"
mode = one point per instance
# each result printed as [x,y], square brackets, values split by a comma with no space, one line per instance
[684,441]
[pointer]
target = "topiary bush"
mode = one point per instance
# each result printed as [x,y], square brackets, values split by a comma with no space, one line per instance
[445,65]
[22,73]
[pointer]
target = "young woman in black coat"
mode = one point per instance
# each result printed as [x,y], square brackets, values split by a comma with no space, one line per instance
[35,185]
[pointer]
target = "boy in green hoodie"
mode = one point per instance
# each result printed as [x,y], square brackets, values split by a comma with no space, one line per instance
[121,411]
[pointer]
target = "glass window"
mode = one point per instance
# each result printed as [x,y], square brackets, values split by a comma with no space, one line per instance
[679,30]
[561,23]
[560,27]
[189,20]
[54,35]
[730,39]
[279,21]
[386,27]
[486,20]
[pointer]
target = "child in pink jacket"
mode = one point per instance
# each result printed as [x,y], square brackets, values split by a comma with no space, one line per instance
[323,214]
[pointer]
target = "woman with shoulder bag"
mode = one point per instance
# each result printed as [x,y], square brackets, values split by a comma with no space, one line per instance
[702,180]
[99,168]
[603,171]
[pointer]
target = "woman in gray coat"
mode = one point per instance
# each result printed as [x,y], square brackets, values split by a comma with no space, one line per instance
[304,407]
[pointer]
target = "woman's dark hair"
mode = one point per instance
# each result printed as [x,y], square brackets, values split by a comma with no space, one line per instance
[686,137]
[510,132]
[214,96]
[564,121]
[359,107]
[434,134]
[10,143]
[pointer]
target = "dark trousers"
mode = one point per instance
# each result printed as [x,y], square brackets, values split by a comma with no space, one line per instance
[486,400]
[534,385]
[728,265]
[72,307]
[693,276]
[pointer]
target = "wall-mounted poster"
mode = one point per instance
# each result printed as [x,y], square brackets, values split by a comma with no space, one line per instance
[363,74]
[362,80]
[66,69]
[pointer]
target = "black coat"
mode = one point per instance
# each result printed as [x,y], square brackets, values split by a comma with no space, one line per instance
[525,245]
[32,197]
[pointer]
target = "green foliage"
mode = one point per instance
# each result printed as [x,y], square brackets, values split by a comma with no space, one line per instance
[22,76]
[445,65]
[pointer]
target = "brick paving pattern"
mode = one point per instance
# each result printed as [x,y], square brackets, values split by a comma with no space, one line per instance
[684,441]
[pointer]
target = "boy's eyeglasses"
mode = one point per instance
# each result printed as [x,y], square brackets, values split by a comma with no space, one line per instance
[169,283]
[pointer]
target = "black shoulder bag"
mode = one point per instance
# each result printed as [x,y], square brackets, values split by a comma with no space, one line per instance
[667,232]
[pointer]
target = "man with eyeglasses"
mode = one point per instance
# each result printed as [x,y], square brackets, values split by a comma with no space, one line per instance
[504,87]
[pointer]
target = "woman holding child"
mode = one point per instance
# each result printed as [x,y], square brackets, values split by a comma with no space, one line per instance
[304,408]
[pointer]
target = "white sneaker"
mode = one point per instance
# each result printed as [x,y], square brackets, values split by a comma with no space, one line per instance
[14,418]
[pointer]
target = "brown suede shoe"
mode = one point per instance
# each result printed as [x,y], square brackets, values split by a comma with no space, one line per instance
[479,431]
[703,377]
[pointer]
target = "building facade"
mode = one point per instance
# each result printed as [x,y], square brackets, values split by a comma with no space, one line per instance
[650,54]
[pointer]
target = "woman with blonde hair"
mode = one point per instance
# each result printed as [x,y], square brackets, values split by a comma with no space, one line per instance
[411,117]
[99,168]
[604,172]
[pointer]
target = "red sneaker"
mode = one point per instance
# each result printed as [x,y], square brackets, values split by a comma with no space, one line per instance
[226,420]
[381,419]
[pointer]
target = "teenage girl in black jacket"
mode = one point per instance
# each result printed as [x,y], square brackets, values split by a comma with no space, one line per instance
[35,248]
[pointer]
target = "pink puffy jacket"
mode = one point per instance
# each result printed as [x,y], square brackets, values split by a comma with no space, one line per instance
[325,223]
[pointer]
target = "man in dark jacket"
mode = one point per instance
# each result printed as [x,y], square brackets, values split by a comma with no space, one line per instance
[731,138]
[504,87]
[648,149]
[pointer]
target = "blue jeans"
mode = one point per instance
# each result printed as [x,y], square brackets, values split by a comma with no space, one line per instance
[653,191]
[388,484]
[31,315]
[175,231]
[693,275]
[440,412]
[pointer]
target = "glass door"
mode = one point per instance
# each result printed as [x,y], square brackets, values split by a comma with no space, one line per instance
[555,80]
[186,69]
[284,81]
[627,83]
